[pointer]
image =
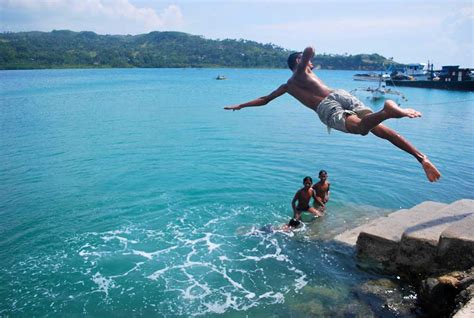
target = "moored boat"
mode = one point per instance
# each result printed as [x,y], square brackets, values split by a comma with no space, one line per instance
[417,71]
[449,77]
[373,77]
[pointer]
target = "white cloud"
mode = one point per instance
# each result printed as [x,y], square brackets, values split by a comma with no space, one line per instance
[103,16]
[454,38]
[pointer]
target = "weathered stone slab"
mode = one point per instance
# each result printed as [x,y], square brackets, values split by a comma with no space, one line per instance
[379,240]
[389,228]
[418,248]
[456,244]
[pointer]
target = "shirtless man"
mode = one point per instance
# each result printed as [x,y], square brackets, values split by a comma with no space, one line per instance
[340,110]
[321,190]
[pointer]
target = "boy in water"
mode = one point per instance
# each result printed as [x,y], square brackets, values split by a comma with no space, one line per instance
[340,110]
[303,197]
[321,190]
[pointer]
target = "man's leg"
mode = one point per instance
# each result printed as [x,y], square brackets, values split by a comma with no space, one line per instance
[384,132]
[363,126]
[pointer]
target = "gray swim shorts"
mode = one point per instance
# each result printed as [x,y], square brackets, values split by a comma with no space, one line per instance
[334,109]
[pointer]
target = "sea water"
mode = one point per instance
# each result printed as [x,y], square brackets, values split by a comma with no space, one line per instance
[128,192]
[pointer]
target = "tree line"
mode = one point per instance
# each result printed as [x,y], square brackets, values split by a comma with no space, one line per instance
[68,49]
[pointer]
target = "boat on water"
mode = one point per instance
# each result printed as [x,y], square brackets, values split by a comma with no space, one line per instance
[417,71]
[380,91]
[450,77]
[372,77]
[221,77]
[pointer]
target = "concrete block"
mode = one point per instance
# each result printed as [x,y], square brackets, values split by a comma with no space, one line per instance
[384,227]
[456,244]
[379,240]
[418,248]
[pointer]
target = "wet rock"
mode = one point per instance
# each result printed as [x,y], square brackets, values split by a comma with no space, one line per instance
[322,293]
[463,298]
[387,298]
[441,296]
[311,309]
[355,310]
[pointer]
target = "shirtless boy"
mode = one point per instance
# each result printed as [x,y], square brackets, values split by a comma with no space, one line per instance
[303,197]
[321,190]
[340,110]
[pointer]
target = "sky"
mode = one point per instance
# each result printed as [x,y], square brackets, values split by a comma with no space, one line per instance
[410,31]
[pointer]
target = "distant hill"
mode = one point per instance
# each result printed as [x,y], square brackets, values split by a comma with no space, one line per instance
[68,49]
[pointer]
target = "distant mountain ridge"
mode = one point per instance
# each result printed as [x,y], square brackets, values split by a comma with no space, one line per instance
[68,49]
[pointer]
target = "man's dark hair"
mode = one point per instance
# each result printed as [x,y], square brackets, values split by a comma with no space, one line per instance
[322,172]
[307,178]
[292,60]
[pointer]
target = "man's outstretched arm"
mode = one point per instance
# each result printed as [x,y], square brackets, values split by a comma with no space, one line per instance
[261,101]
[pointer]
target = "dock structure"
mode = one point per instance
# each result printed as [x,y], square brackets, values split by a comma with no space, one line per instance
[429,239]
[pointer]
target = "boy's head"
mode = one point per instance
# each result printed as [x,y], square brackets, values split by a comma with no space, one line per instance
[294,223]
[307,182]
[323,175]
[292,60]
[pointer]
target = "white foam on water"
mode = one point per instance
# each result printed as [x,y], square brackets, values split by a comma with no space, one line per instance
[278,255]
[117,232]
[134,268]
[207,277]
[103,283]
[249,294]
[122,240]
[219,308]
[151,255]
[158,273]
[202,290]
[301,281]
[278,297]
[86,254]
[143,254]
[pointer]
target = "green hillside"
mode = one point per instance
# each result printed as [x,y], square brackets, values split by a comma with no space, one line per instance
[68,49]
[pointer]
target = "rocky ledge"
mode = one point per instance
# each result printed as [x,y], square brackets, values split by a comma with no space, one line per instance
[430,245]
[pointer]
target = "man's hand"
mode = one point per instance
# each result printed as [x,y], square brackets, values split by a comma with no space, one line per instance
[237,107]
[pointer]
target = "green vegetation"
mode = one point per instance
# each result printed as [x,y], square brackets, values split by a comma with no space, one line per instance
[67,49]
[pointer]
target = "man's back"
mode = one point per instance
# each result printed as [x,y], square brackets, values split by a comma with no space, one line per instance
[307,88]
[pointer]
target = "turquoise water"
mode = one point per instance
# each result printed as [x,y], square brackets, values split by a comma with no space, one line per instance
[132,192]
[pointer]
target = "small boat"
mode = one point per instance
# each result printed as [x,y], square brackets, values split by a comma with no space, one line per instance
[412,71]
[221,77]
[373,77]
[380,91]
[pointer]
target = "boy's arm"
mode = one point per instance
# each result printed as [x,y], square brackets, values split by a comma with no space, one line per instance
[316,198]
[293,203]
[308,55]
[320,201]
[261,101]
[327,194]
[313,195]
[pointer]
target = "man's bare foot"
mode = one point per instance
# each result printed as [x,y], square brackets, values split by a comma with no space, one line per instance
[431,172]
[393,111]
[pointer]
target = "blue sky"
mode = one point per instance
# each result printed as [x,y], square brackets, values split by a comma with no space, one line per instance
[407,30]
